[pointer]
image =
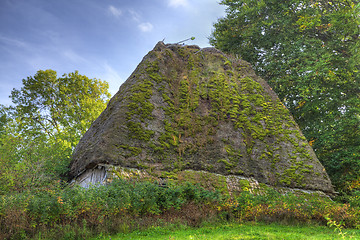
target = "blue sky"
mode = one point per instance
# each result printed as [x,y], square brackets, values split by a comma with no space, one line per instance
[103,39]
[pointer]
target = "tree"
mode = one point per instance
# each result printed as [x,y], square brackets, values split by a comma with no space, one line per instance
[63,108]
[49,116]
[307,50]
[3,119]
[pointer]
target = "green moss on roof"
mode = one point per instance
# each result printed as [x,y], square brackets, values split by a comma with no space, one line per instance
[191,108]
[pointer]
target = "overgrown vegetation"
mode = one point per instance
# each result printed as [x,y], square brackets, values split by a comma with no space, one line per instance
[307,50]
[36,204]
[125,205]
[40,130]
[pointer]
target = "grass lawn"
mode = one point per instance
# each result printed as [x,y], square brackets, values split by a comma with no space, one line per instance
[239,231]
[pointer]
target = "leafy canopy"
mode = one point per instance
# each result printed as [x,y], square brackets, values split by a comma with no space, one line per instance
[308,51]
[38,133]
[62,107]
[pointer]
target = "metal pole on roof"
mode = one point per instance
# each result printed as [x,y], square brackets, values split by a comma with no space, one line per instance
[192,38]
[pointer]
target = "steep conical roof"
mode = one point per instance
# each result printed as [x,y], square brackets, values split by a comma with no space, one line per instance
[190,108]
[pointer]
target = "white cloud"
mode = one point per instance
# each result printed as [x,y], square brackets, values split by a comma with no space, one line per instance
[12,41]
[135,15]
[73,56]
[178,3]
[143,26]
[115,11]
[146,27]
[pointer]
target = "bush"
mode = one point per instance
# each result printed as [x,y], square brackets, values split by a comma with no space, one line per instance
[79,213]
[273,206]
[81,210]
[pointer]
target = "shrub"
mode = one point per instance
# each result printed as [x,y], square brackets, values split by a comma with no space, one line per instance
[80,211]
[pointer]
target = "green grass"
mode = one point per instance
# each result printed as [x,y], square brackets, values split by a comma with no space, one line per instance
[234,231]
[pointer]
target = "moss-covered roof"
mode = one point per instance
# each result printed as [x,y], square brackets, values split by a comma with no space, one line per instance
[190,108]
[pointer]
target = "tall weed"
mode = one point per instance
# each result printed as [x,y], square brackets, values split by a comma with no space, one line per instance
[123,205]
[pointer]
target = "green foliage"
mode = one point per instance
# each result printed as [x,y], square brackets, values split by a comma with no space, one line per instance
[308,52]
[61,107]
[354,199]
[28,213]
[290,207]
[39,132]
[30,164]
[56,212]
[3,119]
[234,230]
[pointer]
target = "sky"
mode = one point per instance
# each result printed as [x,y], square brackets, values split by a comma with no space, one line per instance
[102,39]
